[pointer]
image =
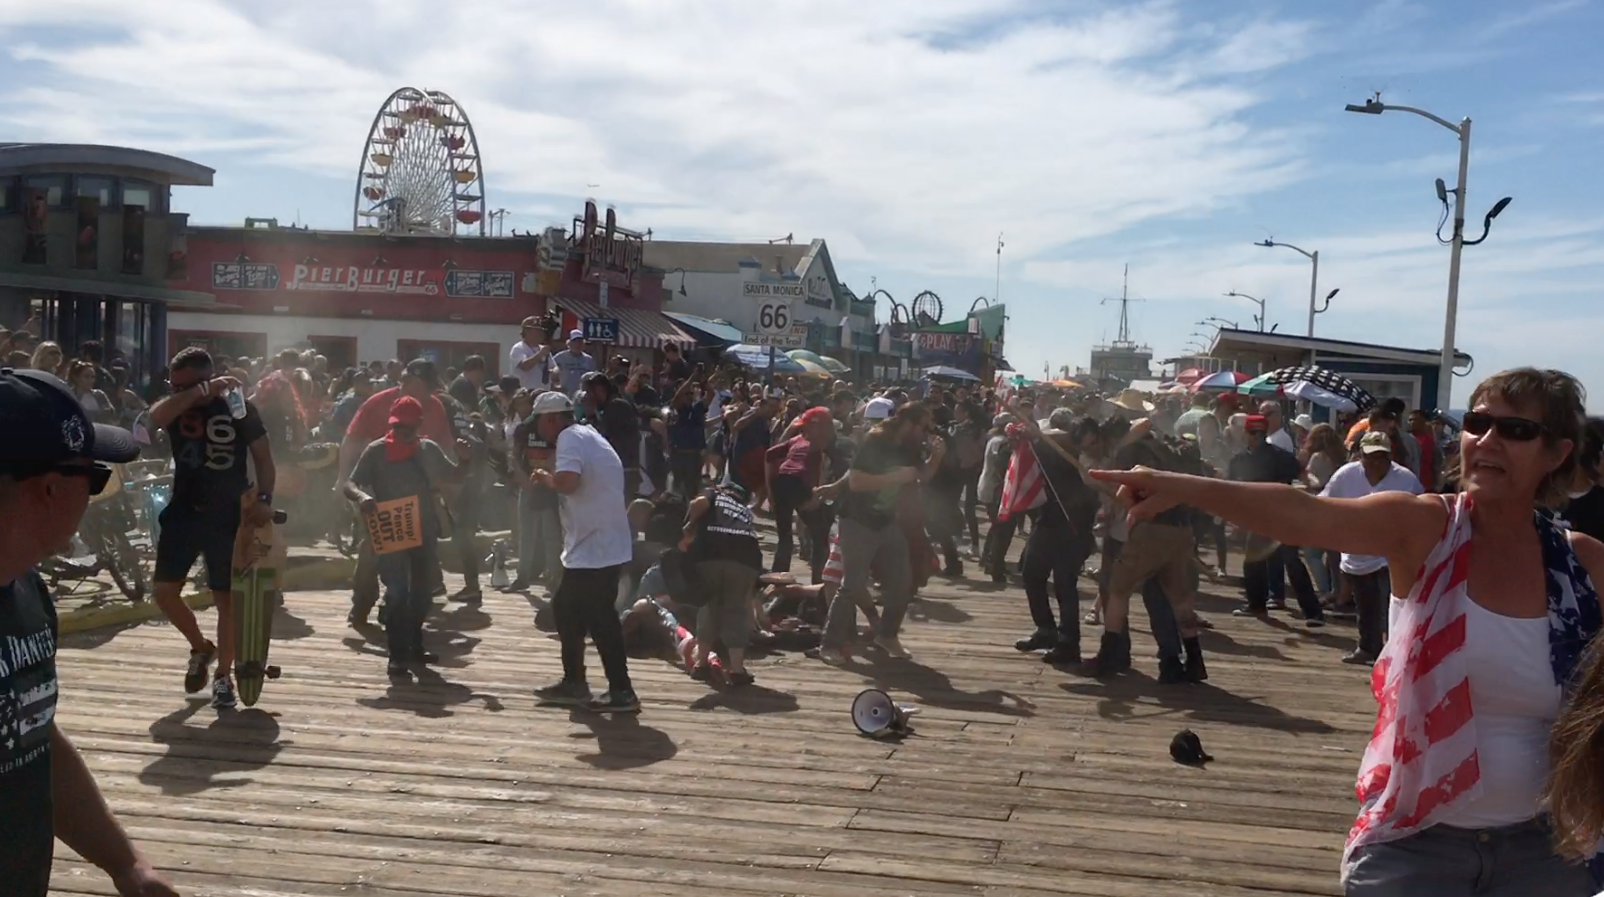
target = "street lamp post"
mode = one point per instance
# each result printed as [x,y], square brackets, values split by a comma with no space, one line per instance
[1255,299]
[1314,277]
[1445,370]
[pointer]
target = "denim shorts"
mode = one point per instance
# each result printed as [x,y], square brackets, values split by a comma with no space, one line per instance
[1443,861]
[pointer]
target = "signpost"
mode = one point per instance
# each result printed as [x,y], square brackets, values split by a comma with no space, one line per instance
[600,330]
[795,338]
[774,318]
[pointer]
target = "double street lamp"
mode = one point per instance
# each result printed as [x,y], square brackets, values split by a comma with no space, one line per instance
[1445,372]
[1314,279]
[1258,318]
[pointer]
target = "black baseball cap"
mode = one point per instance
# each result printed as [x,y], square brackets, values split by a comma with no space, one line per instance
[45,425]
[424,370]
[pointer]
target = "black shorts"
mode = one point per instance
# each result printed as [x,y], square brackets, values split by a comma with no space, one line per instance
[187,534]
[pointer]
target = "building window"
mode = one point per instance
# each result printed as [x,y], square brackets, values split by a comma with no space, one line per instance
[53,185]
[451,354]
[8,195]
[139,193]
[95,188]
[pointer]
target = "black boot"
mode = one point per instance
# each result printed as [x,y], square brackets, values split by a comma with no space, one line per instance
[1066,652]
[1195,671]
[1113,656]
[1171,671]
[1039,640]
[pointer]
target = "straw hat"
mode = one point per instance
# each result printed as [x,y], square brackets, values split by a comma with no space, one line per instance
[1131,400]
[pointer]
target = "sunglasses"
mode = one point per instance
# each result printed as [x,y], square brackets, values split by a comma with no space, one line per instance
[1514,429]
[98,474]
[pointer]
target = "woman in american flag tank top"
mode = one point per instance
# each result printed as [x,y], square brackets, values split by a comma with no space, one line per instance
[1493,608]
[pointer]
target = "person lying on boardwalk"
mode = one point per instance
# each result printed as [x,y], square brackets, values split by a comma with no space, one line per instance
[51,461]
[1498,607]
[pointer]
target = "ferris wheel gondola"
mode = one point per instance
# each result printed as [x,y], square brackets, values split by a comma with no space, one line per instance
[420,171]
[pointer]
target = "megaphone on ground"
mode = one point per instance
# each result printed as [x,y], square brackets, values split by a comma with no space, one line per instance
[877,716]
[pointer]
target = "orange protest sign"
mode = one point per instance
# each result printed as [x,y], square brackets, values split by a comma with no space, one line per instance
[395,525]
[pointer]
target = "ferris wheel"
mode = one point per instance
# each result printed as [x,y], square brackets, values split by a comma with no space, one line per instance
[420,170]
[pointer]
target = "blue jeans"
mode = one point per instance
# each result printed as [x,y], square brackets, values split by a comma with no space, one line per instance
[1315,560]
[540,541]
[861,547]
[1511,861]
[408,578]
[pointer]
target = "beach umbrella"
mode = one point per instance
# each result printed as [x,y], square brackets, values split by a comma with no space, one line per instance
[1220,381]
[950,373]
[814,369]
[1317,386]
[832,365]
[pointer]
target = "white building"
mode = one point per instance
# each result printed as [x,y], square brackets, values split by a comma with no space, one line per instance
[735,282]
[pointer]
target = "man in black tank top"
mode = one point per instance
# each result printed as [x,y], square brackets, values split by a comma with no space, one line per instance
[720,537]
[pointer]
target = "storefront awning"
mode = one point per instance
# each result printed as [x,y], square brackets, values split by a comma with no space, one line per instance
[637,327]
[711,333]
[173,298]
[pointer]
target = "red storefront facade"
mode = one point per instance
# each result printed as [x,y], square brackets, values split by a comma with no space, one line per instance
[359,297]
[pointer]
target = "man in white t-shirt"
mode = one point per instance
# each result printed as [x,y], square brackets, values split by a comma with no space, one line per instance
[597,543]
[531,357]
[1367,575]
[1279,436]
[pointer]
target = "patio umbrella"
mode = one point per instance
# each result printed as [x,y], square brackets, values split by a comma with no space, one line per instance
[1065,384]
[757,358]
[1221,380]
[814,369]
[832,365]
[950,373]
[1189,376]
[1259,386]
[1318,386]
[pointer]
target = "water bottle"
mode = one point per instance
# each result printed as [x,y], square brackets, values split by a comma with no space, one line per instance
[236,403]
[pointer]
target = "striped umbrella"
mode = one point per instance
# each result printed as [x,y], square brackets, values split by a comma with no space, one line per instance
[1316,385]
[1221,381]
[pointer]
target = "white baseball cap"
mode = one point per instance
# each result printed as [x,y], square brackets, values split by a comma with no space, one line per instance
[552,402]
[576,334]
[879,408]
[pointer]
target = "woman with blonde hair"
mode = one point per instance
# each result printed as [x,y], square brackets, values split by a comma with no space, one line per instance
[48,357]
[1499,605]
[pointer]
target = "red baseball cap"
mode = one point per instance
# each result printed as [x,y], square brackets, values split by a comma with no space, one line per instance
[408,412]
[1256,424]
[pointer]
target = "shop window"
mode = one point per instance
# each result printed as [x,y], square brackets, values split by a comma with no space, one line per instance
[97,188]
[232,344]
[139,193]
[450,355]
[54,187]
[8,195]
[339,350]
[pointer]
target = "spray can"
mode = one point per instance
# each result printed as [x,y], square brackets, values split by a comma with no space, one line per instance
[236,403]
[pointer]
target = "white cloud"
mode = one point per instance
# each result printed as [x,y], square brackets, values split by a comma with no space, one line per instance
[914,130]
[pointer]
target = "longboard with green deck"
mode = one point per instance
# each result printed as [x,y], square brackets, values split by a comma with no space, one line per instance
[258,589]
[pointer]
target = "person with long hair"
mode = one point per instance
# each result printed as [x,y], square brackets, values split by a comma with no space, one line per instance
[870,534]
[81,379]
[1499,607]
[1322,455]
[1585,509]
[48,357]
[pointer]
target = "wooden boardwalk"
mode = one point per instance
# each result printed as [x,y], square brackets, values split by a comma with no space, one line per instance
[1021,779]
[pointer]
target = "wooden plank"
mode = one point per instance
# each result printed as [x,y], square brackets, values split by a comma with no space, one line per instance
[1019,780]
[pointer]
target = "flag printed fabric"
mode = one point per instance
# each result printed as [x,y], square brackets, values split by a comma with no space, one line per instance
[1023,486]
[1421,762]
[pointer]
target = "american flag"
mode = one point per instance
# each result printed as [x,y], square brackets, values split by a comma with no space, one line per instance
[1422,759]
[1023,485]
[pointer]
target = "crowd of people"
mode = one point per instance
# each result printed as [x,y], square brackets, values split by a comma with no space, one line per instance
[1464,550]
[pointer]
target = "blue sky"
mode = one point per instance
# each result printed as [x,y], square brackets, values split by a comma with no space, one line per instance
[1169,135]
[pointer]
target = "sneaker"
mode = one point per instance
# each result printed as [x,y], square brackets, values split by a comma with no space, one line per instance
[1359,657]
[518,585]
[736,680]
[615,702]
[426,658]
[223,693]
[893,647]
[395,669]
[1251,612]
[195,673]
[563,694]
[835,657]
[1278,604]
[469,595]
[1315,623]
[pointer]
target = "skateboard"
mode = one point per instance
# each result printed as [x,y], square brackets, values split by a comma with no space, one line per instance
[259,557]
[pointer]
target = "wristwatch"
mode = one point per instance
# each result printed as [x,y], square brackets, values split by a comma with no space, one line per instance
[265,498]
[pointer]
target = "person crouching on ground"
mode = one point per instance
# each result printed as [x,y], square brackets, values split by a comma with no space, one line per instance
[597,543]
[720,536]
[402,467]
